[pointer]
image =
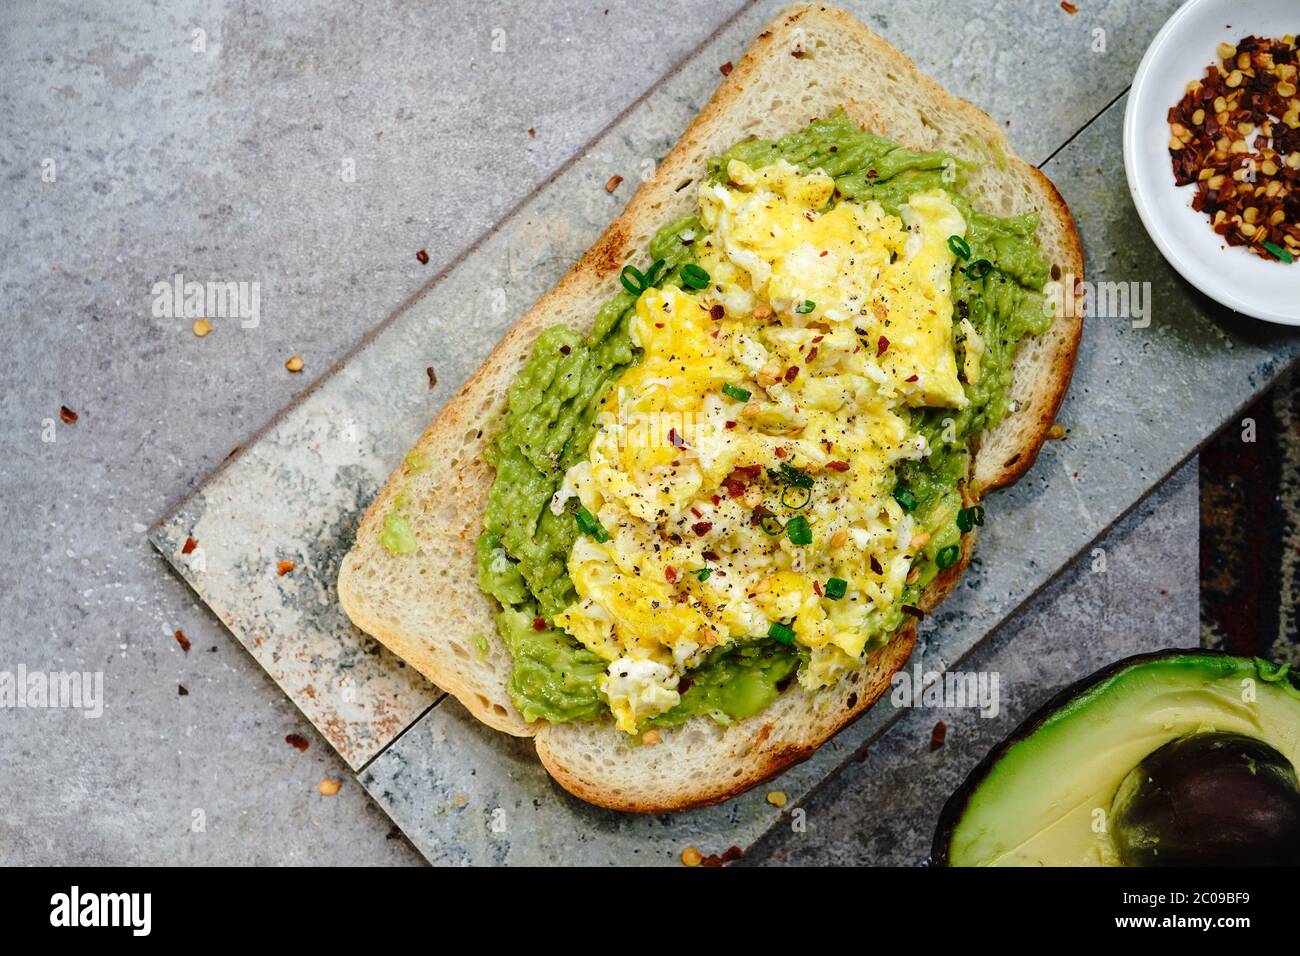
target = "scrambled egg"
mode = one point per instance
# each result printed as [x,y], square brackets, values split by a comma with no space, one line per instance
[765,410]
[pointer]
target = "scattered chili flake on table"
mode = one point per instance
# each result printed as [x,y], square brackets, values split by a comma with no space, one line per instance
[189,545]
[181,691]
[1069,7]
[422,257]
[433,379]
[938,735]
[1236,135]
[182,640]
[296,740]
[613,183]
[725,69]
[67,415]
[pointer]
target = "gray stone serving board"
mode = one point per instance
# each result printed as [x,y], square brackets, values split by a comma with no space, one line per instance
[1142,402]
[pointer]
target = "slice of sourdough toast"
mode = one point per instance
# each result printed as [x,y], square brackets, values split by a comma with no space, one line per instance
[426,605]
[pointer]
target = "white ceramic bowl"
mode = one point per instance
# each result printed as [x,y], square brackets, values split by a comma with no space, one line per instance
[1180,53]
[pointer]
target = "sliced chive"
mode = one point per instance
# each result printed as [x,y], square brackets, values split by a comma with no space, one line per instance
[703,573]
[588,525]
[788,474]
[806,306]
[969,518]
[836,588]
[959,246]
[693,277]
[948,556]
[780,632]
[636,281]
[978,269]
[1280,252]
[905,498]
[736,392]
[799,530]
[796,497]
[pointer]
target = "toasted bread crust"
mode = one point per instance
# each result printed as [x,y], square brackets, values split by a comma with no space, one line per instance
[754,752]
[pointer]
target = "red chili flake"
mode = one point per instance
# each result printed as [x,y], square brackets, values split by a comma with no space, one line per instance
[539,624]
[938,735]
[823,253]
[735,489]
[67,415]
[532,132]
[732,853]
[881,346]
[710,556]
[670,574]
[747,471]
[812,353]
[613,183]
[284,567]
[912,378]
[792,373]
[181,691]
[1069,7]
[659,325]
[725,69]
[565,350]
[697,512]
[838,465]
[716,499]
[189,546]
[717,312]
[423,257]
[702,528]
[817,588]
[182,640]
[780,453]
[675,439]
[296,740]
[728,424]
[433,379]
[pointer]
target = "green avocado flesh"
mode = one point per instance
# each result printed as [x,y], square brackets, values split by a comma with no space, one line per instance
[1049,798]
[552,408]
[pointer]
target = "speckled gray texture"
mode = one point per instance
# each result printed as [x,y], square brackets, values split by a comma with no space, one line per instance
[227,163]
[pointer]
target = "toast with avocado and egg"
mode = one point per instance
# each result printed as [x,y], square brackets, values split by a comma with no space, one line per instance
[681,524]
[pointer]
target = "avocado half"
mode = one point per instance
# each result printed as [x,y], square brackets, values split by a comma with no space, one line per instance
[1045,795]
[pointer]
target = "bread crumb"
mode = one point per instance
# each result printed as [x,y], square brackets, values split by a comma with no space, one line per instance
[692,856]
[650,737]
[1056,432]
[294,364]
[329,788]
[284,567]
[777,798]
[201,327]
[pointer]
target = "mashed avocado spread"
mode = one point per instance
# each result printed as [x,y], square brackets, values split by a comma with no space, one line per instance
[553,407]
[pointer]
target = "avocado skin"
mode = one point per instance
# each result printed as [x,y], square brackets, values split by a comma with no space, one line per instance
[956,805]
[1211,799]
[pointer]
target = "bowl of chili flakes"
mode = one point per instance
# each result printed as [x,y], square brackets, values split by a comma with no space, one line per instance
[1212,151]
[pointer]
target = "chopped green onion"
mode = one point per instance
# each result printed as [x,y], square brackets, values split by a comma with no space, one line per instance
[736,392]
[959,246]
[636,282]
[905,498]
[588,525]
[693,277]
[836,588]
[968,518]
[799,530]
[978,269]
[780,632]
[796,497]
[1280,252]
[703,573]
[948,556]
[771,524]
[788,474]
[806,306]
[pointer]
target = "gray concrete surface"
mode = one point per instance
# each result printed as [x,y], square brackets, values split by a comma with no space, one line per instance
[226,162]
